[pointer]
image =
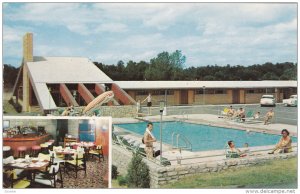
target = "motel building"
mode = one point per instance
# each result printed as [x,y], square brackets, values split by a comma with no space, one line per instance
[208,92]
[48,83]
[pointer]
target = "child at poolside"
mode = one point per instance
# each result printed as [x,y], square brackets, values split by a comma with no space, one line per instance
[234,152]
[256,115]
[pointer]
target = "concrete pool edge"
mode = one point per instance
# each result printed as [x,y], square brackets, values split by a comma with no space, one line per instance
[189,157]
[213,120]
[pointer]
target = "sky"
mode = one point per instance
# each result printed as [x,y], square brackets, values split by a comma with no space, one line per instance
[206,33]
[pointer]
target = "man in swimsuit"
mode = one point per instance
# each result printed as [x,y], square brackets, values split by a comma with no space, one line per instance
[148,140]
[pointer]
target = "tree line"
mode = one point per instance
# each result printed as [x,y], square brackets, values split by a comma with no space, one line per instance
[171,66]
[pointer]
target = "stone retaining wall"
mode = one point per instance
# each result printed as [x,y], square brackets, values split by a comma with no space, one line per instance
[118,111]
[121,158]
[163,175]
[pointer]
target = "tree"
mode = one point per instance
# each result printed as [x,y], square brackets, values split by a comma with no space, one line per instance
[138,173]
[166,66]
[171,66]
[9,75]
[270,76]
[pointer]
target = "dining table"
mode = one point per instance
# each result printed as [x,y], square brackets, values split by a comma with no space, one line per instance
[30,165]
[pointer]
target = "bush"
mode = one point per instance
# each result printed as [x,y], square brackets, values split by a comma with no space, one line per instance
[138,173]
[122,181]
[114,172]
[18,107]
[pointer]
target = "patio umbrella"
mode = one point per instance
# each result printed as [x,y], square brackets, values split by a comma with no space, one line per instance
[101,99]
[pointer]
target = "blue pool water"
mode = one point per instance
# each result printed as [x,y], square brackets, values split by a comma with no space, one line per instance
[204,137]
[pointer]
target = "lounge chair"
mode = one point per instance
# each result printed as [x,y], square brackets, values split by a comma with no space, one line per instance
[224,112]
[251,119]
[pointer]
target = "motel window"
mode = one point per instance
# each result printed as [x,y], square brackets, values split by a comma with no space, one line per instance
[209,91]
[220,91]
[250,91]
[259,91]
[170,92]
[158,92]
[199,91]
[270,90]
[142,92]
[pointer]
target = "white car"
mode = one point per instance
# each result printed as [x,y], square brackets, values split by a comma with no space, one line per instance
[292,101]
[267,100]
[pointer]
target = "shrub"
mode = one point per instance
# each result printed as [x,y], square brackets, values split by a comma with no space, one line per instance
[11,101]
[138,173]
[18,107]
[114,172]
[122,180]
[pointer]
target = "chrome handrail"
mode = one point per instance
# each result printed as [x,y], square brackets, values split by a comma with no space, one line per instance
[188,144]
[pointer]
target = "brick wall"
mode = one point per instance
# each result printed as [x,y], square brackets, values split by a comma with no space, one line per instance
[213,99]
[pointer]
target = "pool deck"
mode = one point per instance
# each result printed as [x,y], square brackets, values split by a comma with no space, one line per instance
[210,119]
[213,120]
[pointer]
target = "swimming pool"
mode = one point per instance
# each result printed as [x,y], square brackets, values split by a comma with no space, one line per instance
[204,137]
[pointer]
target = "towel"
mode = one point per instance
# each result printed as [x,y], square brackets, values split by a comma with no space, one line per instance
[149,132]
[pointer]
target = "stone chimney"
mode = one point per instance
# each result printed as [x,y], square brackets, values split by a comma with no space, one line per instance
[27,57]
[28,47]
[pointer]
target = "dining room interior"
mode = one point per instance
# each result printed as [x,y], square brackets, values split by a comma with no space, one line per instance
[55,152]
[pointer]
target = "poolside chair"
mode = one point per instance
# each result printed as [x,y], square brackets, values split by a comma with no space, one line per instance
[224,112]
[251,119]
[119,141]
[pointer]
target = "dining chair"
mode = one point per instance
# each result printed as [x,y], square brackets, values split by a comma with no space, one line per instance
[12,180]
[49,178]
[77,163]
[98,152]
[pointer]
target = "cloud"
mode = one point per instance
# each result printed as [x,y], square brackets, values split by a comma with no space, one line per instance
[14,34]
[207,33]
[111,27]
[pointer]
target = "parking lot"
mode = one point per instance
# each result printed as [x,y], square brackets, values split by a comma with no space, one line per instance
[284,115]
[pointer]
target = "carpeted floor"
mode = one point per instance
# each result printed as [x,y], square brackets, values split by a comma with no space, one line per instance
[94,178]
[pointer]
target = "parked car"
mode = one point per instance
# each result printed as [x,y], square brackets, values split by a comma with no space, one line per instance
[267,100]
[292,101]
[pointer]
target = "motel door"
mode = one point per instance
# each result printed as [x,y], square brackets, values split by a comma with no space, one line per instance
[235,96]
[184,97]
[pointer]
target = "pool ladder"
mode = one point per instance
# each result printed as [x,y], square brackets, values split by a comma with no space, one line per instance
[183,114]
[188,144]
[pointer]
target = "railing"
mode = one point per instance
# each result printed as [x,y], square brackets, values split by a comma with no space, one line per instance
[188,144]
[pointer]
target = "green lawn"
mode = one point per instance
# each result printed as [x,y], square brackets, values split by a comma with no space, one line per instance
[115,184]
[274,174]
